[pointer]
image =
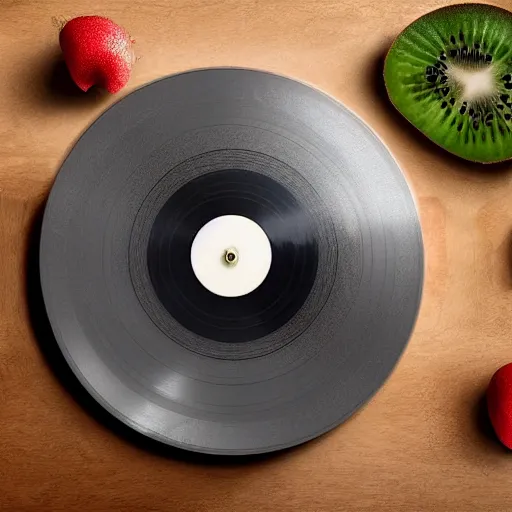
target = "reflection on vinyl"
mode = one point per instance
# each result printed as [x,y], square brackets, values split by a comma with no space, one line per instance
[231,261]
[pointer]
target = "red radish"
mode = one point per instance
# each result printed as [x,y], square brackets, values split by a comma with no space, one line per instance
[499,404]
[97,52]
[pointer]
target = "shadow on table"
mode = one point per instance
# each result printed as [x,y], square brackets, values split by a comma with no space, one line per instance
[56,361]
[50,85]
[484,426]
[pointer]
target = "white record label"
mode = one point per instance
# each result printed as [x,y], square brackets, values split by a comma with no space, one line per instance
[231,255]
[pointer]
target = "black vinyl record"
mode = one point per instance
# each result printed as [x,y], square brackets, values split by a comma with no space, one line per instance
[231,261]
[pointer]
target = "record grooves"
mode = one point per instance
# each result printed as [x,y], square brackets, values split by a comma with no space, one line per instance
[294,260]
[231,261]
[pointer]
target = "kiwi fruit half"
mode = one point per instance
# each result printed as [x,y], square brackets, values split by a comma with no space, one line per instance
[450,74]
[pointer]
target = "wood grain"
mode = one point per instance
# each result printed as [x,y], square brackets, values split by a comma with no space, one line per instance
[422,444]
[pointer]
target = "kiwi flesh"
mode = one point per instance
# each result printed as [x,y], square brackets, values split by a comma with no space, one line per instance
[450,74]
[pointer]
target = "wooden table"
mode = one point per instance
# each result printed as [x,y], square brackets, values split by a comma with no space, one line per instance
[423,443]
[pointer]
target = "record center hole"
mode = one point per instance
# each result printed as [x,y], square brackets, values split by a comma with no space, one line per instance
[231,256]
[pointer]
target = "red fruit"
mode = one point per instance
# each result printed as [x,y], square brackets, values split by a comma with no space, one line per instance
[97,52]
[499,404]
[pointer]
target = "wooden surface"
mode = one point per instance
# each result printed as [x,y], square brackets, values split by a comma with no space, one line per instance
[423,443]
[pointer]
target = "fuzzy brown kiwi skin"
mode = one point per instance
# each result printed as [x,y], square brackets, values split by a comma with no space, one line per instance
[398,110]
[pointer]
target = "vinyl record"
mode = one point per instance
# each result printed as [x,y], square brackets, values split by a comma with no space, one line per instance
[231,261]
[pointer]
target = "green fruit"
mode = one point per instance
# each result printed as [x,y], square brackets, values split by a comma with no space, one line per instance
[450,74]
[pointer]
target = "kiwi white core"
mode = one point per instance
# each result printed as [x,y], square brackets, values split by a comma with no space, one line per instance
[475,84]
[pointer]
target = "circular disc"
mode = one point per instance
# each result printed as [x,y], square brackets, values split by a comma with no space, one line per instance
[335,248]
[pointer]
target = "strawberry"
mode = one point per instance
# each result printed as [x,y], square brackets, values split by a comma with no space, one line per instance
[499,404]
[97,52]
